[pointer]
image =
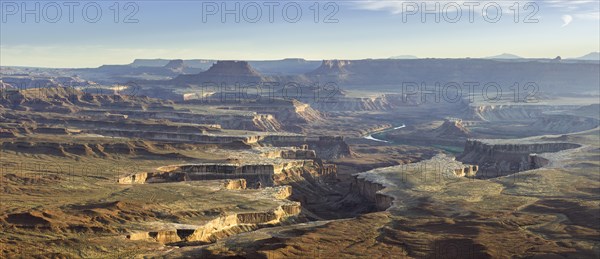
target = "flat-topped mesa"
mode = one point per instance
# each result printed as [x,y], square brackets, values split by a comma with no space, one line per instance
[504,157]
[326,147]
[253,174]
[224,73]
[380,186]
[232,68]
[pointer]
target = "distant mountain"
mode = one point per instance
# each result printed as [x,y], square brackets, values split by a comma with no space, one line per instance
[590,56]
[404,57]
[505,56]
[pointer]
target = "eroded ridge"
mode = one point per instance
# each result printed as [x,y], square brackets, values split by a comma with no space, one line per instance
[268,167]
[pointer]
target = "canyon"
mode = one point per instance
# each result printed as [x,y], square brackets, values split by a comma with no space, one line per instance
[167,166]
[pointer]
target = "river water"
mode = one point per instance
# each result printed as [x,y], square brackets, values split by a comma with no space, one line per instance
[370,134]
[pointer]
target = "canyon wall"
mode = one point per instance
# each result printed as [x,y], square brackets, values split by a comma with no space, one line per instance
[220,227]
[370,190]
[254,175]
[326,147]
[498,159]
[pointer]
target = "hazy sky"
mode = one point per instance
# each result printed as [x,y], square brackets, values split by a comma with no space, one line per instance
[342,30]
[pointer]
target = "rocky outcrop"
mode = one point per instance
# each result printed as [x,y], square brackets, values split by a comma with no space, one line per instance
[290,114]
[283,192]
[223,73]
[303,153]
[467,171]
[253,174]
[47,148]
[157,177]
[232,68]
[326,147]
[78,149]
[38,81]
[254,122]
[331,67]
[371,191]
[235,184]
[536,117]
[502,112]
[70,100]
[563,124]
[220,227]
[176,65]
[451,129]
[538,161]
[384,102]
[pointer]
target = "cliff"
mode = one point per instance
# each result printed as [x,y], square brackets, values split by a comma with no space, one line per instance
[384,102]
[326,147]
[371,191]
[507,157]
[219,227]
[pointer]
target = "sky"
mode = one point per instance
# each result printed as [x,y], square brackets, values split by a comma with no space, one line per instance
[93,33]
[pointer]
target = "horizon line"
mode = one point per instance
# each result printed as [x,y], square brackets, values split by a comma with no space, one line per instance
[299,58]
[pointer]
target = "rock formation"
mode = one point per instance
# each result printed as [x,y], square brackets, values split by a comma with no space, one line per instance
[176,65]
[499,158]
[224,73]
[452,129]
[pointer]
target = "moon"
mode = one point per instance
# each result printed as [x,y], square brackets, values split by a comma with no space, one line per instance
[567,19]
